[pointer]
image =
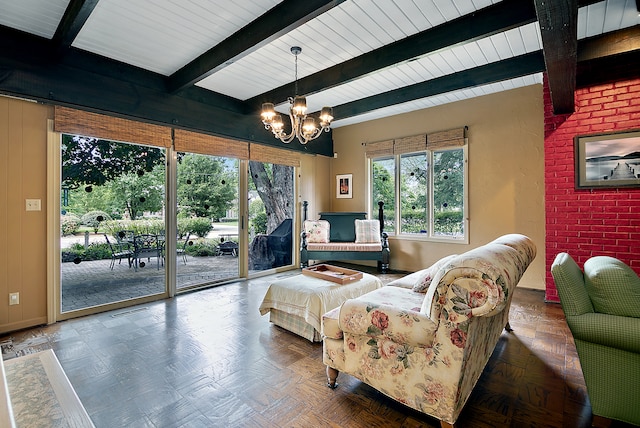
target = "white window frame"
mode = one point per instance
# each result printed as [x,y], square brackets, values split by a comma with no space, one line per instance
[429,236]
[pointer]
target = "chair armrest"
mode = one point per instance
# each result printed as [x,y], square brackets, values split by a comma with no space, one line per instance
[607,330]
[384,321]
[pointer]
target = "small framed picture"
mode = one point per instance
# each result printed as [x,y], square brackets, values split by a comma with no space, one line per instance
[607,160]
[344,186]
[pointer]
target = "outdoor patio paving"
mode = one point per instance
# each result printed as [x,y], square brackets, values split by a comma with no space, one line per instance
[93,283]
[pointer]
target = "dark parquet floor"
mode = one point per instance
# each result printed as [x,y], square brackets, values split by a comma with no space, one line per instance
[208,359]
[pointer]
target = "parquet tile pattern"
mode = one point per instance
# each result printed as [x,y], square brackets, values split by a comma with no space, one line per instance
[208,359]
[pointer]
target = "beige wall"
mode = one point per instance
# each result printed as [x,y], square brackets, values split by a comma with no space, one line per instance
[506,186]
[506,171]
[23,175]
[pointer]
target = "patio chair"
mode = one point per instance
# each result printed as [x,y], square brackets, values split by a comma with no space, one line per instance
[119,251]
[183,251]
[125,236]
[147,246]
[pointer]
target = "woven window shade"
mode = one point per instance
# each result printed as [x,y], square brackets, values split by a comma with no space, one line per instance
[194,142]
[78,122]
[452,137]
[416,143]
[268,154]
[379,148]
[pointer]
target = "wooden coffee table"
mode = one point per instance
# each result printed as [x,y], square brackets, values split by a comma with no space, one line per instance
[298,303]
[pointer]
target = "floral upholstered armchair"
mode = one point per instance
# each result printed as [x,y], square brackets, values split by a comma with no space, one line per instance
[425,339]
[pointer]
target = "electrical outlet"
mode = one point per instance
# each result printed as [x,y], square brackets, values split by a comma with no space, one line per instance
[14,298]
[33,205]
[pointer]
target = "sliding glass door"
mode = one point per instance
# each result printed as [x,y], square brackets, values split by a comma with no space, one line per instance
[122,242]
[112,222]
[207,219]
[271,215]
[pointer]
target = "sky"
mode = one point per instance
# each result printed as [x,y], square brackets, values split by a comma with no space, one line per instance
[613,147]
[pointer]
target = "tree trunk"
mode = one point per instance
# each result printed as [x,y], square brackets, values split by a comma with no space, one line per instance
[275,190]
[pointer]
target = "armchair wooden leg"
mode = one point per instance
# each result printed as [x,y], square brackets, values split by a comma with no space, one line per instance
[508,327]
[600,422]
[444,424]
[332,376]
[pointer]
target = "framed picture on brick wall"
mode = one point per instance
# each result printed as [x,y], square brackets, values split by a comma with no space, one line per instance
[607,160]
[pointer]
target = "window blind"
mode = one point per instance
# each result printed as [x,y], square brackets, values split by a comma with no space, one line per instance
[194,142]
[266,154]
[416,143]
[378,148]
[78,122]
[452,137]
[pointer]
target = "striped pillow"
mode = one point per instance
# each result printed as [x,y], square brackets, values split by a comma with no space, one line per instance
[367,231]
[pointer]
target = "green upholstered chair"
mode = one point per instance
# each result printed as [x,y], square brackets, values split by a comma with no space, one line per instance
[602,307]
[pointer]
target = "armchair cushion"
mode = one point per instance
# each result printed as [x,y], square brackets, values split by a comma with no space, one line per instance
[614,288]
[408,281]
[367,231]
[388,313]
[317,231]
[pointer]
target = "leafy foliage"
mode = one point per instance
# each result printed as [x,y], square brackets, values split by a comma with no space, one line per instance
[91,161]
[69,224]
[95,251]
[195,226]
[94,219]
[139,192]
[206,187]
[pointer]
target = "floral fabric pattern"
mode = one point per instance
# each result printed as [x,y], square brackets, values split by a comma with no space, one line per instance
[424,282]
[428,351]
[317,231]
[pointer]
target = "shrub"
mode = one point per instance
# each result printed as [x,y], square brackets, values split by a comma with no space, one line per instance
[93,219]
[259,223]
[69,224]
[201,248]
[199,226]
[95,251]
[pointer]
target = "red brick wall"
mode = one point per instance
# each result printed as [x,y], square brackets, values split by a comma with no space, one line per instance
[589,222]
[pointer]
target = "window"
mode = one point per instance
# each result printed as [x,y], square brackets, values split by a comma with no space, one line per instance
[424,192]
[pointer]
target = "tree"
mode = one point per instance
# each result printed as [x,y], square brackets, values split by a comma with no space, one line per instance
[448,180]
[207,187]
[383,186]
[91,161]
[139,192]
[274,184]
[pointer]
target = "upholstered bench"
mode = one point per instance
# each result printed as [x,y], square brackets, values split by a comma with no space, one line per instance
[344,236]
[297,303]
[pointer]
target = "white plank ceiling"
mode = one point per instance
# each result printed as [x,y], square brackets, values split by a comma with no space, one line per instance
[162,36]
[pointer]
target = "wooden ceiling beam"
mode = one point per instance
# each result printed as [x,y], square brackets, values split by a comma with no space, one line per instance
[74,18]
[490,73]
[613,43]
[279,20]
[558,20]
[499,17]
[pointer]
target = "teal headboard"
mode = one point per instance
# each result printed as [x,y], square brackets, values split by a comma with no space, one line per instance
[343,227]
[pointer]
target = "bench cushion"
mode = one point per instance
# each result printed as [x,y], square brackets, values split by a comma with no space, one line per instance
[344,246]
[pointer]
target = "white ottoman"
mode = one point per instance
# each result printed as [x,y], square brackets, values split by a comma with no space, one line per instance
[298,303]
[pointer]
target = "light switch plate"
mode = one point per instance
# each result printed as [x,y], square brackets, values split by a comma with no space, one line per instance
[33,204]
[14,299]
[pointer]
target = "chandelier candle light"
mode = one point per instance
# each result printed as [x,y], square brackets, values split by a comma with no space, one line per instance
[302,126]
